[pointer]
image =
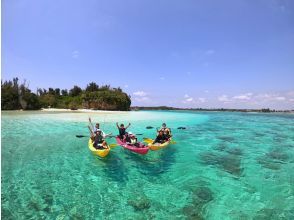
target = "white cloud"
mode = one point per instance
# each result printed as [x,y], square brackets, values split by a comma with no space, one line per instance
[142,99]
[206,91]
[243,97]
[280,98]
[263,96]
[272,97]
[223,98]
[141,96]
[75,54]
[140,93]
[162,78]
[290,93]
[187,99]
[126,86]
[202,100]
[189,73]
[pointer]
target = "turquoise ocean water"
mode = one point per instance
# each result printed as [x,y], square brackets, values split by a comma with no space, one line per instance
[223,166]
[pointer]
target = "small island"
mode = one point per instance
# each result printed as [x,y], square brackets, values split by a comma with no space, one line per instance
[18,96]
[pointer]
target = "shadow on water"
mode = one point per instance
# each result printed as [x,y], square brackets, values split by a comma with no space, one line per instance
[200,196]
[113,167]
[229,161]
[154,163]
[268,213]
[274,159]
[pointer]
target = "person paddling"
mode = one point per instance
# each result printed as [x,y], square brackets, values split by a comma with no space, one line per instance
[96,127]
[160,138]
[166,131]
[98,139]
[122,130]
[132,139]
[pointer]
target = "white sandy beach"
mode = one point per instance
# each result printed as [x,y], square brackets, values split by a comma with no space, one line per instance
[78,110]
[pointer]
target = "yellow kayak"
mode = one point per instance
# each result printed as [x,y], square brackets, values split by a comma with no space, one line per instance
[100,153]
[158,146]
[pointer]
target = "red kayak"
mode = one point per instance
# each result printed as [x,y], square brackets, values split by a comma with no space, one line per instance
[141,149]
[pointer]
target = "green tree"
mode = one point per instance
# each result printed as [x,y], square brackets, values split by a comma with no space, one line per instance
[64,92]
[75,91]
[92,87]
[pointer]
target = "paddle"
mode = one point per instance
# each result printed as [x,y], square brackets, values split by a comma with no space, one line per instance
[180,128]
[113,145]
[149,140]
[80,136]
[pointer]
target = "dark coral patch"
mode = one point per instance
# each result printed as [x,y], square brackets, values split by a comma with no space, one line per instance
[235,151]
[192,213]
[277,155]
[226,138]
[204,194]
[140,203]
[266,163]
[200,197]
[229,163]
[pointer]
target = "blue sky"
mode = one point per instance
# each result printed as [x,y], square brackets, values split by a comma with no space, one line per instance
[201,53]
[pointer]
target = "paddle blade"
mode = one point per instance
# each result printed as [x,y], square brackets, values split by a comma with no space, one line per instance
[113,145]
[149,127]
[148,140]
[80,136]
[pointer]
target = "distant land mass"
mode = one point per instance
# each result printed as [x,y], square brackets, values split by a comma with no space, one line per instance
[16,96]
[137,108]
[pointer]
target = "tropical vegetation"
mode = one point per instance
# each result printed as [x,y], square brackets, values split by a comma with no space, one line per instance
[15,96]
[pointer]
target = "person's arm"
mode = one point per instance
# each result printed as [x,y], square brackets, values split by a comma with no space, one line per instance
[106,135]
[128,125]
[117,125]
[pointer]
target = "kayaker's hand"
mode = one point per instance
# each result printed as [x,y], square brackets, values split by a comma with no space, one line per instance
[90,120]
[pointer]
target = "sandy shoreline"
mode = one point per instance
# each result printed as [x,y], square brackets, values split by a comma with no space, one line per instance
[78,110]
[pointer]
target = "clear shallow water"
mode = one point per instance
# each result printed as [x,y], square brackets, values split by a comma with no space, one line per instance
[223,166]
